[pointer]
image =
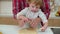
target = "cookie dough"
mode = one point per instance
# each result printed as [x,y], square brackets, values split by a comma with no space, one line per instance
[28,31]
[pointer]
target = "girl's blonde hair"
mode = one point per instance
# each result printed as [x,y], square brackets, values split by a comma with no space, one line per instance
[36,2]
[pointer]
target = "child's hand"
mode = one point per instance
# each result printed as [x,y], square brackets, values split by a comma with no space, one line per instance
[42,29]
[23,18]
[35,22]
[23,21]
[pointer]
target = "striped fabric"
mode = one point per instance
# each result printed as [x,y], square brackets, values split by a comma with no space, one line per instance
[18,5]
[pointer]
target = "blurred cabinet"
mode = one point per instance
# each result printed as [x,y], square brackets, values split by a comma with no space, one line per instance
[12,21]
[54,22]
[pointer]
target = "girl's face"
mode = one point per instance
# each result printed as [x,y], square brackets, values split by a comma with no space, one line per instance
[33,7]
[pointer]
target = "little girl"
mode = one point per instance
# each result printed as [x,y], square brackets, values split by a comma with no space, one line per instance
[29,15]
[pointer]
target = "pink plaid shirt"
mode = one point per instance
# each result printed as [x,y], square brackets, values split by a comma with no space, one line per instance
[18,5]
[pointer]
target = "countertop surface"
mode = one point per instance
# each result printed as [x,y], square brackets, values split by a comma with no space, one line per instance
[13,29]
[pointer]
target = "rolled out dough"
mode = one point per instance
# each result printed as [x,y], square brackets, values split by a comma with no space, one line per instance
[28,31]
[0,32]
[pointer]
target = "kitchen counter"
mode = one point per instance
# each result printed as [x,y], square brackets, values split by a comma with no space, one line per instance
[13,29]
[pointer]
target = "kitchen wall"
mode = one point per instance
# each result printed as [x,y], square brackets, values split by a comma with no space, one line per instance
[6,8]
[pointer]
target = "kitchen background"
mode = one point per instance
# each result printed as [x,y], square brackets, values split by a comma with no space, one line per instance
[6,15]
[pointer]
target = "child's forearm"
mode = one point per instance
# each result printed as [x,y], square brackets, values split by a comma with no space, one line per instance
[45,25]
